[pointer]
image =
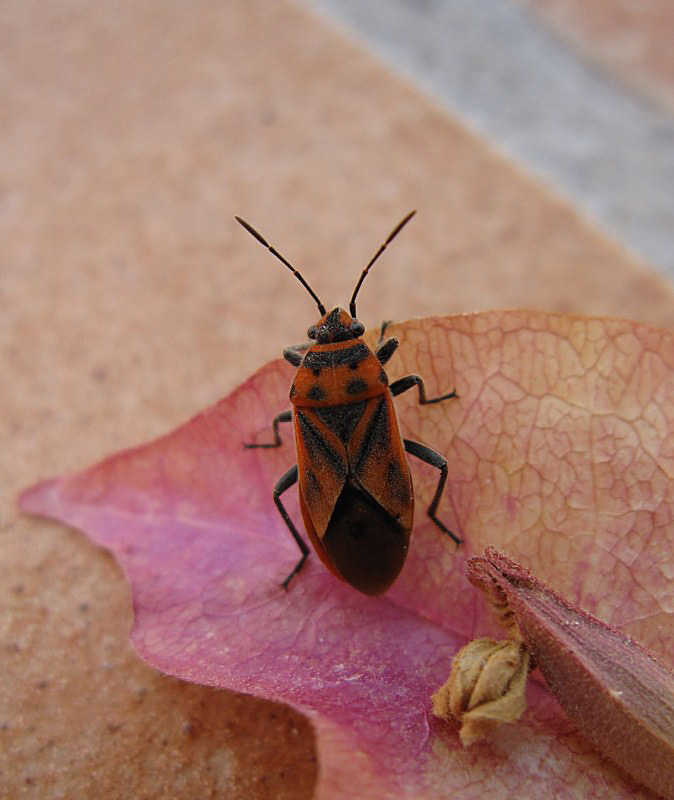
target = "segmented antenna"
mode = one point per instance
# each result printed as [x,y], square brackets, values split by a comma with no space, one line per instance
[274,252]
[389,239]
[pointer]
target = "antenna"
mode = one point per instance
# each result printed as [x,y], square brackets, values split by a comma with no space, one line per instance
[389,239]
[296,273]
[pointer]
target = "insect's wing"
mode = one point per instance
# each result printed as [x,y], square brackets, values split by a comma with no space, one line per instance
[322,465]
[378,459]
[316,542]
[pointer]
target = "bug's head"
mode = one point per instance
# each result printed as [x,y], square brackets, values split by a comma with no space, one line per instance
[336,326]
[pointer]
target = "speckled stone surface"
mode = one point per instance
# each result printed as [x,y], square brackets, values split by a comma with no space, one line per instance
[131,134]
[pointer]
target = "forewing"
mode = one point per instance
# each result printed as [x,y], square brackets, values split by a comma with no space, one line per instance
[322,464]
[378,460]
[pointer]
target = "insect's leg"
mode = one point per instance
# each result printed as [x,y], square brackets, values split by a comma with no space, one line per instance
[382,330]
[295,353]
[284,483]
[385,350]
[284,416]
[430,456]
[403,384]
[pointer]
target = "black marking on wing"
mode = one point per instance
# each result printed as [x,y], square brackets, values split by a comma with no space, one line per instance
[397,482]
[348,356]
[342,419]
[312,487]
[377,431]
[318,447]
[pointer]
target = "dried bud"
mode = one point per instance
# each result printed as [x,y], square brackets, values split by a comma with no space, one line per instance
[485,687]
[617,693]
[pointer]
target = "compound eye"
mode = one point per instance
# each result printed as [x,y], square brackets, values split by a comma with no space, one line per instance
[357,328]
[312,332]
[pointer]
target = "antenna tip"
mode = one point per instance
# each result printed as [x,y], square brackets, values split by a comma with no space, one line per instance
[252,231]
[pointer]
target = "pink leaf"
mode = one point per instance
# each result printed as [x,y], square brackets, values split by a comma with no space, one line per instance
[560,453]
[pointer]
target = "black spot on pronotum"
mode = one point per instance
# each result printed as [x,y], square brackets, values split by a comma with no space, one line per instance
[316,393]
[356,386]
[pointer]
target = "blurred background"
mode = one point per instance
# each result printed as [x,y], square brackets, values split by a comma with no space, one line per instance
[536,140]
[579,95]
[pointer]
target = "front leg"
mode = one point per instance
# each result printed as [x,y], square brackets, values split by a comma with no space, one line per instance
[295,353]
[386,350]
[284,416]
[402,385]
[382,330]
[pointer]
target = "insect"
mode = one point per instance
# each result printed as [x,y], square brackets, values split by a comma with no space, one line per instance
[355,488]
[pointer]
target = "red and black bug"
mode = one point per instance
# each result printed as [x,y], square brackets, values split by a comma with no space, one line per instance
[355,488]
